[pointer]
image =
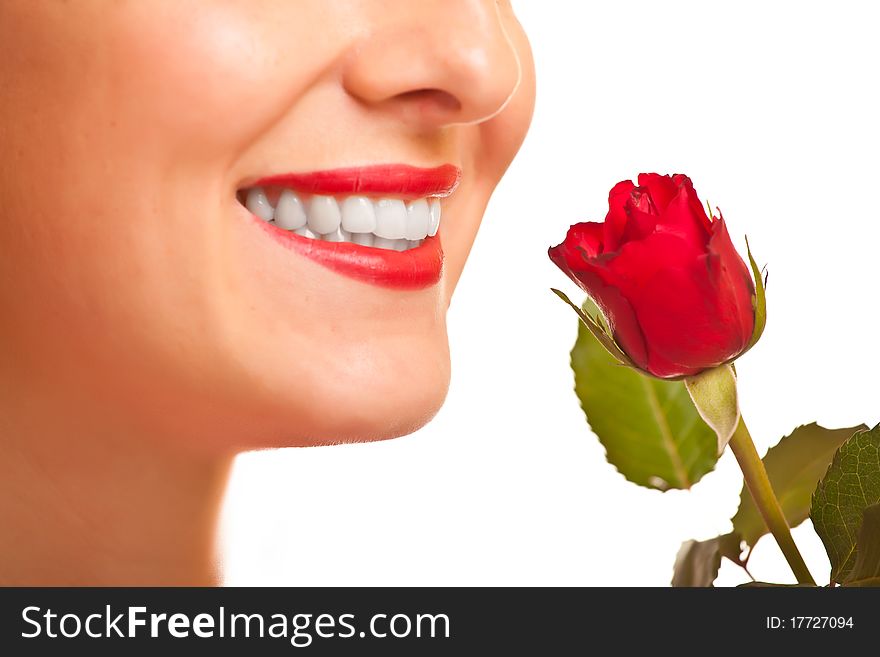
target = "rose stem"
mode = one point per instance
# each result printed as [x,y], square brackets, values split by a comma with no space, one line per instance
[768,506]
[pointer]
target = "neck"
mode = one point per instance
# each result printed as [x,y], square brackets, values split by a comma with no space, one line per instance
[87,506]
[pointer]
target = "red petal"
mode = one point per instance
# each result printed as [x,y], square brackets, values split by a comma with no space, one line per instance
[684,331]
[733,282]
[662,188]
[578,256]
[616,219]
[588,236]
[583,240]
[640,199]
[696,204]
[640,225]
[684,215]
[616,309]
[665,280]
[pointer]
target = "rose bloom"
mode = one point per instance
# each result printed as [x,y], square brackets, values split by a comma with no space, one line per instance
[677,296]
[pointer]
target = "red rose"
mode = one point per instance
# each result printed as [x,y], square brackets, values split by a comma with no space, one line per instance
[676,294]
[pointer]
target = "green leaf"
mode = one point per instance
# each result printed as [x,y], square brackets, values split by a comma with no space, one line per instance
[850,486]
[697,562]
[866,571]
[650,429]
[794,467]
[759,301]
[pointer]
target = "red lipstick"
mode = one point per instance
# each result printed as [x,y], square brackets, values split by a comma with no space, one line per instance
[413,269]
[400,180]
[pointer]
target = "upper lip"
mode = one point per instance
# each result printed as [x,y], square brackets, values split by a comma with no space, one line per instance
[401,180]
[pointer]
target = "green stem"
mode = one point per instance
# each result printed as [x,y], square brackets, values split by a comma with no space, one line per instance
[768,506]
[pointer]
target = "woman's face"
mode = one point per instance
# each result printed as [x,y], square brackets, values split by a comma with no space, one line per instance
[134,283]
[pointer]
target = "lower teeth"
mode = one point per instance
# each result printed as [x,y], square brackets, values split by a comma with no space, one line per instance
[362,239]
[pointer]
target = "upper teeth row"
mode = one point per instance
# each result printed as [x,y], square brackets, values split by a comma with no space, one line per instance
[355,218]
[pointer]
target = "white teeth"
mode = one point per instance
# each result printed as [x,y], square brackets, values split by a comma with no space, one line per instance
[258,204]
[358,215]
[386,223]
[364,239]
[435,217]
[390,219]
[418,219]
[392,245]
[289,212]
[324,216]
[337,235]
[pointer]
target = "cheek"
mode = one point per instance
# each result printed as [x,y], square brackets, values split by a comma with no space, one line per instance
[489,149]
[112,152]
[183,69]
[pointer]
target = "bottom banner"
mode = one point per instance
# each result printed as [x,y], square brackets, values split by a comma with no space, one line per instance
[420,621]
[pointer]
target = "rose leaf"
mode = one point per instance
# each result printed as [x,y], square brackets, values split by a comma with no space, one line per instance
[850,486]
[651,431]
[866,571]
[697,562]
[794,467]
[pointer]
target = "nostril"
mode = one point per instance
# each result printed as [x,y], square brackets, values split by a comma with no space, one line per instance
[437,99]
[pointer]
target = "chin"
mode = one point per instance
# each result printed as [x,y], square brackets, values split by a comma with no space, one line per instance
[369,393]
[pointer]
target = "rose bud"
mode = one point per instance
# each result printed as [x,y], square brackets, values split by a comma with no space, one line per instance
[677,297]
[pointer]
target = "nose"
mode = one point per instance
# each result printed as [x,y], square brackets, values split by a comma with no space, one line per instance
[435,63]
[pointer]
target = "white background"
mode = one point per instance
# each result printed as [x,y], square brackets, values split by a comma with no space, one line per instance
[771,108]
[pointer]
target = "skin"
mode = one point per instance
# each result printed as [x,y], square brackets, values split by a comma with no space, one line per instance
[150,331]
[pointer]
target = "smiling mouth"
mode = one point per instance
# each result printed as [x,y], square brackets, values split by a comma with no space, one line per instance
[371,207]
[386,223]
[377,224]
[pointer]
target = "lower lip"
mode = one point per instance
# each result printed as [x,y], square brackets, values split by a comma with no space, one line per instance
[414,269]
